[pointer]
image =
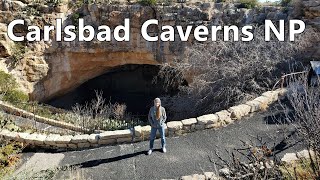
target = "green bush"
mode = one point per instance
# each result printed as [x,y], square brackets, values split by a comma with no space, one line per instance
[249,4]
[15,96]
[8,89]
[147,2]
[18,49]
[7,82]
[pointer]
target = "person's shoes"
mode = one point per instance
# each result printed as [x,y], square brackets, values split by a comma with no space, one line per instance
[164,150]
[150,151]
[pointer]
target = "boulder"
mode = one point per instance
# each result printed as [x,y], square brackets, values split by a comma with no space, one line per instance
[289,157]
[208,119]
[273,95]
[116,134]
[137,131]
[224,116]
[305,154]
[174,125]
[254,105]
[17,5]
[264,100]
[93,138]
[189,122]
[239,111]
[5,45]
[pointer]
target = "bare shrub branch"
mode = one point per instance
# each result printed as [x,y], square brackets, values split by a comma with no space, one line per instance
[303,110]
[221,74]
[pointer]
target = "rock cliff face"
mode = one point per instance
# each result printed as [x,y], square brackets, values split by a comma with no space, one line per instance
[51,69]
[311,9]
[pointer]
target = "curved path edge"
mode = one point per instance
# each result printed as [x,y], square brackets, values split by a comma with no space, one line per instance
[141,133]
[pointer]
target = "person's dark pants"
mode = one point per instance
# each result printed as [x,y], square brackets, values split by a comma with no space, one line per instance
[153,136]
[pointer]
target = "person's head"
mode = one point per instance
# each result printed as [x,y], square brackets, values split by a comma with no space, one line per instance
[157,102]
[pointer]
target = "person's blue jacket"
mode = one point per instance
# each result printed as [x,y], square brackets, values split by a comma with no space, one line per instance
[152,117]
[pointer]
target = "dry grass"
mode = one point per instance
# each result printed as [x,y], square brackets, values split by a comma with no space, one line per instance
[9,156]
[301,169]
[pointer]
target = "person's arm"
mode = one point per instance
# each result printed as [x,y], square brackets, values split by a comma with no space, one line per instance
[150,118]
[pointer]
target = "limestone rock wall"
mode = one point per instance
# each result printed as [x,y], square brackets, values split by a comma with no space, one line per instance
[71,64]
[49,69]
[311,9]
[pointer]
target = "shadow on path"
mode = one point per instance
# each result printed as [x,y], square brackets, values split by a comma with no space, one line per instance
[97,162]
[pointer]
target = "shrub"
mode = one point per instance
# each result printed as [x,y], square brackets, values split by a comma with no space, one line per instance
[9,156]
[8,89]
[15,96]
[249,4]
[225,73]
[147,2]
[99,115]
[301,169]
[18,49]
[303,110]
[7,82]
[32,11]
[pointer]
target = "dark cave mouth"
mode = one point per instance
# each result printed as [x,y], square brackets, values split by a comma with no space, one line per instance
[130,84]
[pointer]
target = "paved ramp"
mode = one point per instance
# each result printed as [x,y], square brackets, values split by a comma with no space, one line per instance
[187,154]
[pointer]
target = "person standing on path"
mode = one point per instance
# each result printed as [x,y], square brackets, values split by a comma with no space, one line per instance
[157,118]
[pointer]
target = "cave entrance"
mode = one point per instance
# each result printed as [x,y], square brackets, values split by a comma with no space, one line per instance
[132,85]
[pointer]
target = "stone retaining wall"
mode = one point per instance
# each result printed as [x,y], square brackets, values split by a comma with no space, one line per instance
[141,133]
[204,176]
[20,112]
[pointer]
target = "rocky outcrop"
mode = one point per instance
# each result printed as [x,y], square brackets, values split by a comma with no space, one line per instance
[311,9]
[71,64]
[5,42]
[54,68]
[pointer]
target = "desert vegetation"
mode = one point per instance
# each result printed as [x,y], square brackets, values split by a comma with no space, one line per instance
[303,110]
[9,156]
[9,152]
[95,115]
[9,89]
[223,74]
[258,158]
[100,115]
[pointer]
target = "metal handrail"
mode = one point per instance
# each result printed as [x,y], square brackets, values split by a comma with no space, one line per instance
[284,76]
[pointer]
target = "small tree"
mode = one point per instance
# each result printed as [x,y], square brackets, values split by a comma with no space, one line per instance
[98,115]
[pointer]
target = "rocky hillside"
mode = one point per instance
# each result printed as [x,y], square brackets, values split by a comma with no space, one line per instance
[311,13]
[47,69]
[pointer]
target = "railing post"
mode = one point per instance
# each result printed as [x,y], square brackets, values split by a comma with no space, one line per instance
[34,116]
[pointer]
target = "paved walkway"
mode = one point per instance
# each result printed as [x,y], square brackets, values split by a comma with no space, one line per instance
[187,154]
[41,127]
